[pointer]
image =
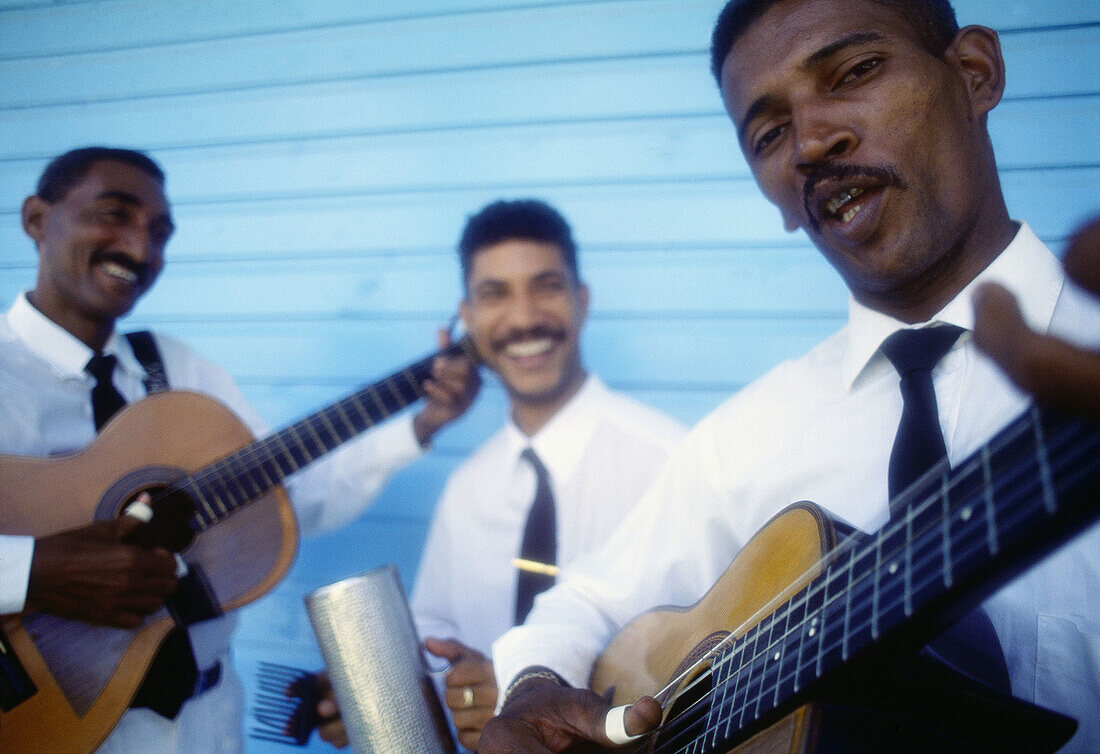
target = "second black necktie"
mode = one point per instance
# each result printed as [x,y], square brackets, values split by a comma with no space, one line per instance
[540,540]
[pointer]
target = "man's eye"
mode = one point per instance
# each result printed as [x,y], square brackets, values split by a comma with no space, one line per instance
[767,138]
[859,69]
[551,286]
[489,294]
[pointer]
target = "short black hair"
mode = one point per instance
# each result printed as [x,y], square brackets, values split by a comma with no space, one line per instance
[528,219]
[933,20]
[68,170]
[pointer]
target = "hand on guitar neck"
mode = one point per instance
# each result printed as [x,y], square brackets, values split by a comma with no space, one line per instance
[449,391]
[1055,372]
[90,574]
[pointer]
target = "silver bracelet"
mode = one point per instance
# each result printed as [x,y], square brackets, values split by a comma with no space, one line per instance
[523,678]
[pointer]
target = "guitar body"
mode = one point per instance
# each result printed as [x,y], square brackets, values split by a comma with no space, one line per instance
[778,561]
[658,645]
[893,703]
[86,675]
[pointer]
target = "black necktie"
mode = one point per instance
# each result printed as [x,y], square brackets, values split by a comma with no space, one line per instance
[540,540]
[970,645]
[106,400]
[173,674]
[918,444]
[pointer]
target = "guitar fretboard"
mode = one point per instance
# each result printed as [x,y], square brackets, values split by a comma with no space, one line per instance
[225,486]
[963,533]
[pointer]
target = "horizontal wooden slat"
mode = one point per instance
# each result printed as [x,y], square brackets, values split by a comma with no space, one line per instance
[705,213]
[40,27]
[702,352]
[638,282]
[74,27]
[554,93]
[361,51]
[655,149]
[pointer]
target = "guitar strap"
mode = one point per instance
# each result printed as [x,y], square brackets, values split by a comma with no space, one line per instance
[148,355]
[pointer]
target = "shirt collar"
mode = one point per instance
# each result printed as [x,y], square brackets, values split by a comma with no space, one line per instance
[560,444]
[61,349]
[1026,267]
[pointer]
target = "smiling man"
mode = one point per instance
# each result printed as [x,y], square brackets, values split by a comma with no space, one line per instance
[100,220]
[864,122]
[592,451]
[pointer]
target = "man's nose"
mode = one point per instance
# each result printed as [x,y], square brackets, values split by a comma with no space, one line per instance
[523,312]
[821,135]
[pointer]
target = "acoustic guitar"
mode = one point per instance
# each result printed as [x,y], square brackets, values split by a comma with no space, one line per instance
[808,638]
[217,500]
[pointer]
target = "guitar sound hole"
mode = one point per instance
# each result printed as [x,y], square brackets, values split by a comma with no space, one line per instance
[170,527]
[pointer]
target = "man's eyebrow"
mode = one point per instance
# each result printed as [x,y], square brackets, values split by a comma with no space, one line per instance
[122,196]
[826,52]
[812,60]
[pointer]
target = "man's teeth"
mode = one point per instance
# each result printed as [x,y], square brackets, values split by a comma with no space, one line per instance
[849,214]
[833,205]
[525,348]
[116,270]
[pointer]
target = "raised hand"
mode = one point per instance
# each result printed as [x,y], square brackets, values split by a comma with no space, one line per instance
[449,392]
[1053,371]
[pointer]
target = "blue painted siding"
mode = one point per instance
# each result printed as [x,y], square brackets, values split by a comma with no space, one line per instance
[323,156]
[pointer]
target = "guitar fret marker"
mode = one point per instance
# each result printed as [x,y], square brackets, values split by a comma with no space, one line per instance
[990,513]
[1049,501]
[945,527]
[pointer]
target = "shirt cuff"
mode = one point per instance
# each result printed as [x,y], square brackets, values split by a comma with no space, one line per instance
[551,647]
[15,572]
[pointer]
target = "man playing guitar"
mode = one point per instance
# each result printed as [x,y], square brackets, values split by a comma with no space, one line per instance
[100,220]
[864,122]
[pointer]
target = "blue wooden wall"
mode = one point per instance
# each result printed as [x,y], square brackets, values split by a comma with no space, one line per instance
[322,157]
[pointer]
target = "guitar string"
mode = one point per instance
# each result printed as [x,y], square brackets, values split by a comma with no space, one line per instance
[257,453]
[782,679]
[414,376]
[843,546]
[927,535]
[688,725]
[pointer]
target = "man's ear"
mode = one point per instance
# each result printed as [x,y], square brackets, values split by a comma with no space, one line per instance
[464,314]
[34,217]
[583,297]
[976,54]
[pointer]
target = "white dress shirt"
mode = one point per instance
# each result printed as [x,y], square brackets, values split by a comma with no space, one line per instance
[601,450]
[45,410]
[821,428]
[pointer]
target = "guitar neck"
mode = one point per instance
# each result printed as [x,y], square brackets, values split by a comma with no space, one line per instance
[225,486]
[967,531]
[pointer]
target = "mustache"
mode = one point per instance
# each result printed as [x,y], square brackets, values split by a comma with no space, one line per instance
[887,175]
[517,335]
[143,271]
